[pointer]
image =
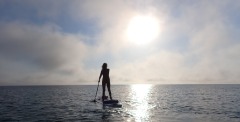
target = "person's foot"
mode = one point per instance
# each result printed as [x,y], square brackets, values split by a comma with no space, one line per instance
[104,97]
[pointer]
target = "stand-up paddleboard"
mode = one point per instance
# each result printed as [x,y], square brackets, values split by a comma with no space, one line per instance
[111,103]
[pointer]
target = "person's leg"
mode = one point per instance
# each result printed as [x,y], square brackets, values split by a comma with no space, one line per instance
[103,88]
[109,90]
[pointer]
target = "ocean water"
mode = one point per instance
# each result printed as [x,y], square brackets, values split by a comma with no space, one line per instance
[160,103]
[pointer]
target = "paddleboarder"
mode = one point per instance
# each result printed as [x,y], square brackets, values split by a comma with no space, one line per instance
[105,81]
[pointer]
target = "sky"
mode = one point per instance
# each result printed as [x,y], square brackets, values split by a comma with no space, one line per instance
[65,42]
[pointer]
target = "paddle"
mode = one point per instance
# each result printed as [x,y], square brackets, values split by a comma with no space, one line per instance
[96,94]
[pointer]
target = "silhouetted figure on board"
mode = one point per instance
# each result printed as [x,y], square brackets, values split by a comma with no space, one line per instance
[105,81]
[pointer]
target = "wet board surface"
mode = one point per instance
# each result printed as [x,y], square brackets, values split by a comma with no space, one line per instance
[110,101]
[115,105]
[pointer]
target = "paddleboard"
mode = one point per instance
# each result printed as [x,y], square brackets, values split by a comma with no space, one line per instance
[112,103]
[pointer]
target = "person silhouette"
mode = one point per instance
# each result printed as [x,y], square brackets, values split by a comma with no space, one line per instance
[105,81]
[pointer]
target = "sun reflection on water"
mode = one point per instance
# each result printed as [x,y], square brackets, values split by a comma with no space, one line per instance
[140,99]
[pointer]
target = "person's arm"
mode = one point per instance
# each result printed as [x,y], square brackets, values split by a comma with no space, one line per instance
[100,76]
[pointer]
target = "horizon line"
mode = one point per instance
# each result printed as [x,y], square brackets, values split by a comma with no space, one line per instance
[126,84]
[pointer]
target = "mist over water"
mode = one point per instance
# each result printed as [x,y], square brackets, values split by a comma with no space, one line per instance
[165,103]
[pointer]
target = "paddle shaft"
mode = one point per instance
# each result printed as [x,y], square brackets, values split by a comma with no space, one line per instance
[96,91]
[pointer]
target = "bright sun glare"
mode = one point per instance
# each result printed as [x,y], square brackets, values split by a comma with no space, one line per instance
[142,29]
[141,97]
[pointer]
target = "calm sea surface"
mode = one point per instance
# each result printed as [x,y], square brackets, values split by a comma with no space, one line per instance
[160,103]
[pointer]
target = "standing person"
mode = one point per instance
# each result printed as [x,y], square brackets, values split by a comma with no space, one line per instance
[105,80]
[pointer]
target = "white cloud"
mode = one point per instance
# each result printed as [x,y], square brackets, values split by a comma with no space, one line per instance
[44,54]
[205,60]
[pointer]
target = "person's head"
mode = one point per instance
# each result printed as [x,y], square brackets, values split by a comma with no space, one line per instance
[104,66]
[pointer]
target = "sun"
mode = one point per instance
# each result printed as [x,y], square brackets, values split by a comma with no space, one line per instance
[142,29]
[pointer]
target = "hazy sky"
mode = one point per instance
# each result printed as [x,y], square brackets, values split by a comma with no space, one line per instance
[44,42]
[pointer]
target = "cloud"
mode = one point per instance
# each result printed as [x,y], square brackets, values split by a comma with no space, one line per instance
[44,53]
[208,56]
[40,50]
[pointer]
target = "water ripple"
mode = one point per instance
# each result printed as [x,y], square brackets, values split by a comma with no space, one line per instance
[166,103]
